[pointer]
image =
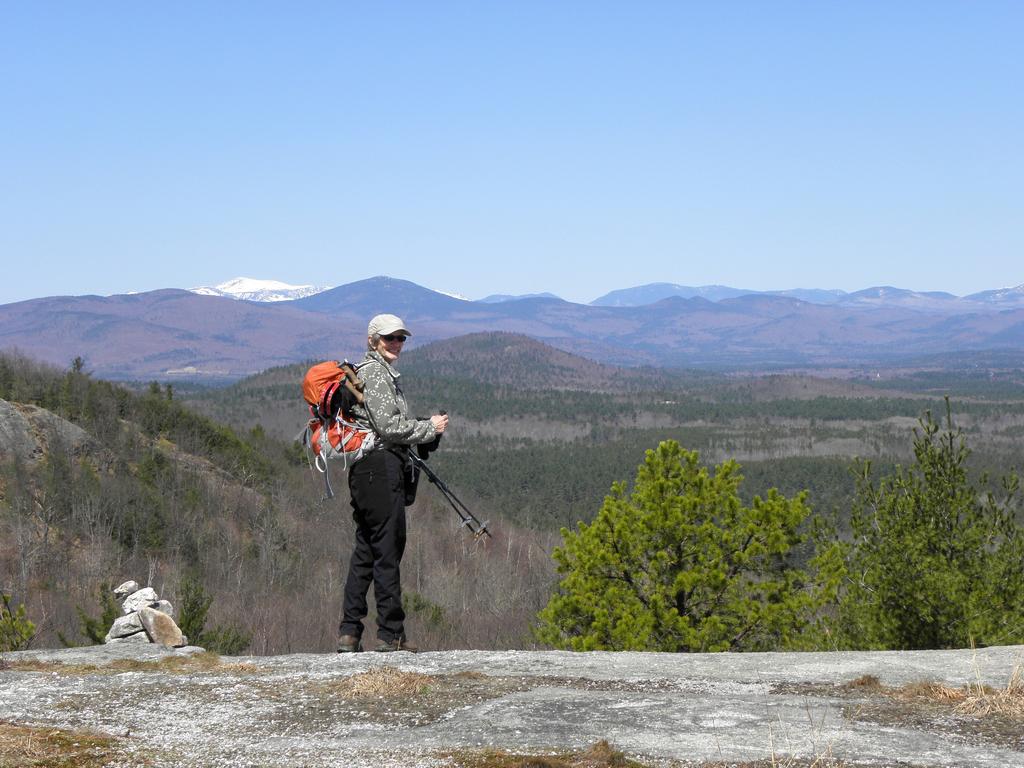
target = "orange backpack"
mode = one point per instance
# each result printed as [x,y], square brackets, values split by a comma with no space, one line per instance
[331,389]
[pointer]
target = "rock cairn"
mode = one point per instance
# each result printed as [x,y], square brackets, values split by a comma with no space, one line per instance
[146,619]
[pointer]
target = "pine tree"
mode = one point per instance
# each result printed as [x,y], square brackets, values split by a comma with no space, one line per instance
[16,631]
[195,603]
[936,560]
[680,564]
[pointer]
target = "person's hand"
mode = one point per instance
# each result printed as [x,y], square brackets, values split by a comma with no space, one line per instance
[440,422]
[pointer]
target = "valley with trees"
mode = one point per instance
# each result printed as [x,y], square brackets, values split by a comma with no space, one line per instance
[785,498]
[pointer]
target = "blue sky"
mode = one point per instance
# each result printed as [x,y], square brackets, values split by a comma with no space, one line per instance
[511,147]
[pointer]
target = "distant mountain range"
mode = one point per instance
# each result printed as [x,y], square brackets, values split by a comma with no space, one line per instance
[878,296]
[638,296]
[170,333]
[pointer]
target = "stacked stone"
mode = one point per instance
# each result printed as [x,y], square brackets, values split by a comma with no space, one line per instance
[147,618]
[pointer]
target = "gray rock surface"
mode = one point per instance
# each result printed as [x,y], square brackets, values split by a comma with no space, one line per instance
[123,590]
[138,599]
[16,434]
[27,430]
[161,628]
[124,626]
[660,708]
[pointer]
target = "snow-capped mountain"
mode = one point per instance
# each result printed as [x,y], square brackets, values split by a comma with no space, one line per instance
[1001,296]
[250,289]
[454,295]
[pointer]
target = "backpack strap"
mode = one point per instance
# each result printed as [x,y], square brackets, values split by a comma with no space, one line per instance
[319,460]
[369,414]
[351,378]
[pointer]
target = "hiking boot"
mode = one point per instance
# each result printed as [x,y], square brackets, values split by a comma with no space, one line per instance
[398,644]
[349,644]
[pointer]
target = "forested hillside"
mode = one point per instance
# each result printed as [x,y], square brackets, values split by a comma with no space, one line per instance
[538,435]
[99,485]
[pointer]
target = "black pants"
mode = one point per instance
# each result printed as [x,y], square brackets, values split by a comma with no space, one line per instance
[376,484]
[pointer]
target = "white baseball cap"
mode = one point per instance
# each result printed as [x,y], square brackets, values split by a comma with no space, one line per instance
[386,324]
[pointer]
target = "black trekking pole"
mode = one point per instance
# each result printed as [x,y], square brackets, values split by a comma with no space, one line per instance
[468,518]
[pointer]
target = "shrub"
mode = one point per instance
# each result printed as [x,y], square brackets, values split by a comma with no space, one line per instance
[16,631]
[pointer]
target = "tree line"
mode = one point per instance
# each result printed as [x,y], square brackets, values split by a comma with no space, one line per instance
[228,518]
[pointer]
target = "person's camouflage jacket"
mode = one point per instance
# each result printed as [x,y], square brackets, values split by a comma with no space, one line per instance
[384,408]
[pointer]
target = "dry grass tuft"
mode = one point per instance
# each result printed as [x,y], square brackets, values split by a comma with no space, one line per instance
[599,755]
[977,700]
[191,664]
[1008,701]
[931,692]
[863,683]
[28,747]
[602,755]
[384,681]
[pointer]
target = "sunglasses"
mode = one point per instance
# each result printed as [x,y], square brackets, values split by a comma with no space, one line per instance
[393,337]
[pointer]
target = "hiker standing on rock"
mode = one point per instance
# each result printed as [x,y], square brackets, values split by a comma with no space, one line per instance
[376,483]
